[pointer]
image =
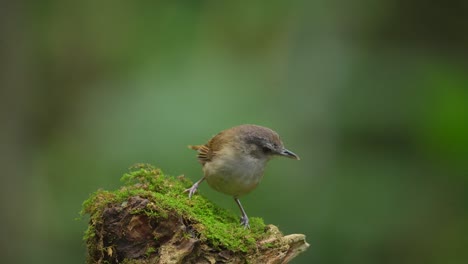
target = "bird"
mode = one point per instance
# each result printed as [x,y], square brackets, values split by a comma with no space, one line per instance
[234,161]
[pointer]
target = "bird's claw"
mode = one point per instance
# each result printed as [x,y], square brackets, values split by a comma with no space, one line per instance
[192,190]
[245,222]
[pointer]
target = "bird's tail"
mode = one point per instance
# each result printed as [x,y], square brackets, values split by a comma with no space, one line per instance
[195,147]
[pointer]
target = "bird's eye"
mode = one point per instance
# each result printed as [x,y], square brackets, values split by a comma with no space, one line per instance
[266,149]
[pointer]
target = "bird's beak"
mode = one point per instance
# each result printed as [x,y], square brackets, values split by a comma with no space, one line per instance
[289,154]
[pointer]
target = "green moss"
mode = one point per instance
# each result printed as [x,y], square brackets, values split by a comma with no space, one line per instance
[150,250]
[215,225]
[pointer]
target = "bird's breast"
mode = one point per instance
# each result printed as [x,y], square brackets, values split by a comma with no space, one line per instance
[234,173]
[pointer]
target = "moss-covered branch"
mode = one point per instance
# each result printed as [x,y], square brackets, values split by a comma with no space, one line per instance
[151,220]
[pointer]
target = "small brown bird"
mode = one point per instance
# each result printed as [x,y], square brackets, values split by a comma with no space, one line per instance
[233,160]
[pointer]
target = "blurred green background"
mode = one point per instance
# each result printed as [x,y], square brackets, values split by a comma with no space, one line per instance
[373,95]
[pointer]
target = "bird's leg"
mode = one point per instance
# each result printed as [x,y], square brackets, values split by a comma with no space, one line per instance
[194,188]
[244,218]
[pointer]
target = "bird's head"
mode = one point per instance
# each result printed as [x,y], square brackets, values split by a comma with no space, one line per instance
[263,142]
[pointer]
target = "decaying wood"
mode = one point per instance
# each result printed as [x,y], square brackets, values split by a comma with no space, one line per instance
[122,235]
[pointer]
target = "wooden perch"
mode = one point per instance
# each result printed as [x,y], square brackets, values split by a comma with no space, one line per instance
[151,220]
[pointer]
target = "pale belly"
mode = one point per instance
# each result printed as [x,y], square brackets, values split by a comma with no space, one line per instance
[236,176]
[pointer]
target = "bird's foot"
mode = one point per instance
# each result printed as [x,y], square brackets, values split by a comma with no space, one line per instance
[192,190]
[245,221]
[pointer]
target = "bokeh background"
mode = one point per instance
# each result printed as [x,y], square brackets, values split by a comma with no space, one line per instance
[373,95]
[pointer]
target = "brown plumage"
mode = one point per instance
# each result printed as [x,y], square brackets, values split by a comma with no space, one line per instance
[250,133]
[234,159]
[204,153]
